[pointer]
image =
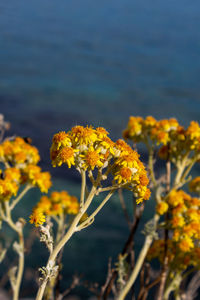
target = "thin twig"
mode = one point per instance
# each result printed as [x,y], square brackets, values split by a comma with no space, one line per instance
[123,205]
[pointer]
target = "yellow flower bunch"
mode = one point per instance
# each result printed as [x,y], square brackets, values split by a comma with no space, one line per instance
[142,130]
[58,203]
[33,175]
[178,260]
[184,221]
[157,250]
[20,167]
[175,140]
[87,149]
[37,217]
[9,183]
[18,153]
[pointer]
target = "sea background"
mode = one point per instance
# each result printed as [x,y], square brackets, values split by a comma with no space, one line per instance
[95,62]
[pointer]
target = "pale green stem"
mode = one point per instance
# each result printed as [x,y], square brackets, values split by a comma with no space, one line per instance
[82,198]
[110,188]
[187,171]
[60,229]
[64,240]
[138,265]
[151,166]
[2,214]
[180,169]
[19,231]
[91,217]
[174,284]
[181,175]
[15,201]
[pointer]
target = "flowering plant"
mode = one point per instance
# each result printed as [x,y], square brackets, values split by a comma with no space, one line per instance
[171,237]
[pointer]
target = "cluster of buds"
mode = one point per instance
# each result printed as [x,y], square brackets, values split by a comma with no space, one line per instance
[57,204]
[174,140]
[20,160]
[88,149]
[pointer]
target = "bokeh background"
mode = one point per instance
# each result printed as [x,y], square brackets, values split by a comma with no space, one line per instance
[75,62]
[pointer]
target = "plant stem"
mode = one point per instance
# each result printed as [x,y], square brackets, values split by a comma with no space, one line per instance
[89,219]
[19,231]
[137,268]
[82,198]
[64,240]
[174,284]
[20,267]
[15,201]
[138,265]
[151,165]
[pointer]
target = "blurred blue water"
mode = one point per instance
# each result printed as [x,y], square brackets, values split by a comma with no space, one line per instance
[96,62]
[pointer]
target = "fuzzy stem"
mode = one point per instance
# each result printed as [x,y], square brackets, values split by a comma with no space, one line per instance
[89,219]
[82,198]
[18,230]
[138,265]
[66,237]
[151,166]
[15,201]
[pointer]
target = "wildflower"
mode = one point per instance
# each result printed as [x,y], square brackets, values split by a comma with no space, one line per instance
[177,221]
[123,175]
[92,148]
[37,217]
[61,139]
[81,135]
[92,159]
[186,244]
[162,208]
[66,155]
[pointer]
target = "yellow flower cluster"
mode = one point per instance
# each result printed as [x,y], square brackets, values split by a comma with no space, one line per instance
[184,225]
[140,130]
[87,148]
[20,167]
[33,175]
[9,183]
[59,203]
[175,140]
[18,153]
[185,219]
[178,260]
[157,250]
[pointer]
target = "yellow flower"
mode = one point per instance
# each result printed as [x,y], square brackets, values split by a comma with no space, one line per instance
[8,189]
[56,209]
[177,221]
[193,130]
[175,198]
[44,205]
[61,139]
[186,244]
[83,135]
[130,160]
[162,208]
[101,132]
[43,181]
[37,217]
[13,174]
[66,156]
[123,175]
[73,207]
[92,159]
